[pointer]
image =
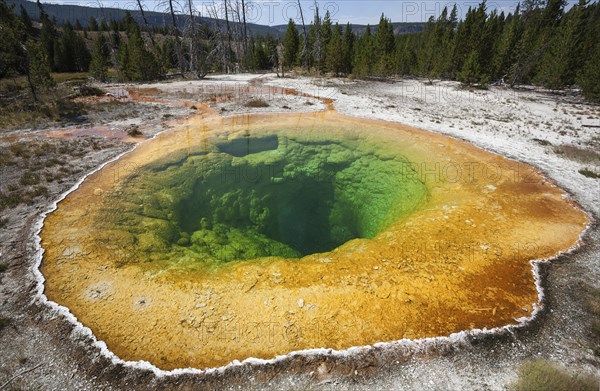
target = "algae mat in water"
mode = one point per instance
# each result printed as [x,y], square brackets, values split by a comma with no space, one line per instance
[255,236]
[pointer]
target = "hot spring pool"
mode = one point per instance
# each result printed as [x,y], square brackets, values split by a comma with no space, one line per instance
[255,236]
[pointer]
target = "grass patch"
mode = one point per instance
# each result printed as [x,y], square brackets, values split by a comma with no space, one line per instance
[6,157]
[19,110]
[67,109]
[20,150]
[29,178]
[593,304]
[542,375]
[62,77]
[589,173]
[542,142]
[134,131]
[40,191]
[87,90]
[578,154]
[9,200]
[256,103]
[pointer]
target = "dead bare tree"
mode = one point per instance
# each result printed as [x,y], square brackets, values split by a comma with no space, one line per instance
[219,38]
[178,46]
[304,54]
[245,35]
[139,2]
[228,35]
[280,59]
[238,36]
[203,46]
[317,44]
[193,28]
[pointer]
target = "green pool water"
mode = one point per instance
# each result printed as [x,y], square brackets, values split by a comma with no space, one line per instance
[252,197]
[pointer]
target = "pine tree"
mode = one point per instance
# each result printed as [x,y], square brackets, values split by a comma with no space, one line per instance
[252,53]
[48,37]
[70,52]
[100,58]
[448,43]
[92,24]
[589,77]
[167,54]
[363,55]
[123,61]
[562,60]
[135,62]
[20,53]
[25,20]
[428,48]
[291,43]
[314,46]
[489,45]
[384,43]
[348,49]
[406,56]
[505,53]
[262,54]
[257,54]
[39,71]
[325,35]
[469,73]
[12,56]
[270,47]
[335,51]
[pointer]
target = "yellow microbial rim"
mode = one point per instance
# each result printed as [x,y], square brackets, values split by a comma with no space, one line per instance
[459,260]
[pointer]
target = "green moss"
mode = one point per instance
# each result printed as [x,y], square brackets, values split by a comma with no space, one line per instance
[268,196]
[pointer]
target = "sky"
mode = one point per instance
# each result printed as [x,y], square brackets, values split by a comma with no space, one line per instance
[275,12]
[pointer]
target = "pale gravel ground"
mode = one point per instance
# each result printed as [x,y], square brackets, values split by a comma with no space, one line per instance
[501,121]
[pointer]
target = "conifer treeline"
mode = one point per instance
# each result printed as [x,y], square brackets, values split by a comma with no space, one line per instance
[539,43]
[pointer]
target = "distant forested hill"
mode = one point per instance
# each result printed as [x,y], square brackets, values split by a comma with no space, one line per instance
[399,28]
[71,13]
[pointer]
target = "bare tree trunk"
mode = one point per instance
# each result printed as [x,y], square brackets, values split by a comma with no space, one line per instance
[146,23]
[305,45]
[318,40]
[228,35]
[280,60]
[28,74]
[238,34]
[178,48]
[193,40]
[245,34]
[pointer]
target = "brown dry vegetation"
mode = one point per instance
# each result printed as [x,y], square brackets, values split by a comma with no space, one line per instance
[29,167]
[542,375]
[255,103]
